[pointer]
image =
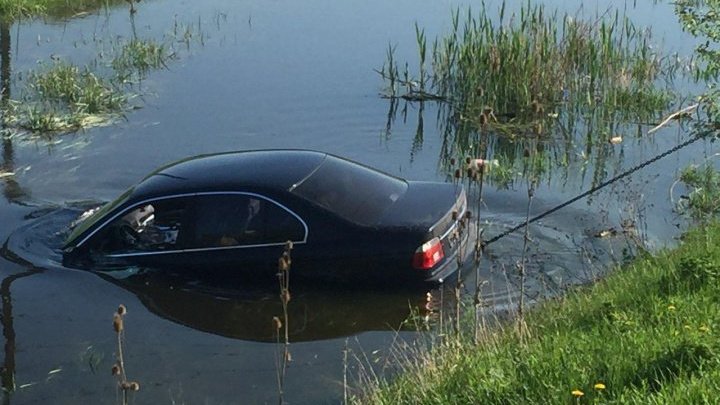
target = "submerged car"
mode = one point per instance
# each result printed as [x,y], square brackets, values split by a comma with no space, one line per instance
[234,212]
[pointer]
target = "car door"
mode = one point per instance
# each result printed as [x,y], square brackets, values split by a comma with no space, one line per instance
[238,232]
[230,231]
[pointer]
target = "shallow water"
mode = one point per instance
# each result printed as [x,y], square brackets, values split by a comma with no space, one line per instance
[269,75]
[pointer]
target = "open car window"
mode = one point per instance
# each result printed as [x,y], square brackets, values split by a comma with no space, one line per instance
[352,191]
[198,222]
[153,226]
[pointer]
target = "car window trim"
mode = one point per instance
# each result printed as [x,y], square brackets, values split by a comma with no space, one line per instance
[191,250]
[203,193]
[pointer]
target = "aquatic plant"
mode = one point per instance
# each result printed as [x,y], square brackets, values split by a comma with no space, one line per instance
[118,369]
[536,75]
[13,9]
[77,90]
[137,57]
[703,201]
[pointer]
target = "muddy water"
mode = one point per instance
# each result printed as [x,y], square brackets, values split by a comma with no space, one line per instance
[265,75]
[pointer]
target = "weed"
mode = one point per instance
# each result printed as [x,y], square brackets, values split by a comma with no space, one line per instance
[137,58]
[535,76]
[283,359]
[118,369]
[704,199]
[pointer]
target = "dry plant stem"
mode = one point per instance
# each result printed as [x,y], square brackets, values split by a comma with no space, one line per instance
[521,266]
[477,256]
[458,285]
[119,368]
[673,116]
[284,264]
[345,372]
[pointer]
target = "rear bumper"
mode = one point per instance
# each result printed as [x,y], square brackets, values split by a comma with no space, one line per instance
[452,262]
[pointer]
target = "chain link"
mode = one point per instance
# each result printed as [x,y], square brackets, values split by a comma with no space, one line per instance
[602,185]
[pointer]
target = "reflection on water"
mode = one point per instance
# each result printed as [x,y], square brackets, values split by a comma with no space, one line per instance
[246,312]
[287,79]
[7,372]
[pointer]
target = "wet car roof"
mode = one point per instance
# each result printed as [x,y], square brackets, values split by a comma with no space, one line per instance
[274,169]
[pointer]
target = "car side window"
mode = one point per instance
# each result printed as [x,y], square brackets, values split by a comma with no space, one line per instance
[149,227]
[228,220]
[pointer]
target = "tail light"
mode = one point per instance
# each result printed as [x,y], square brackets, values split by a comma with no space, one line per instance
[428,255]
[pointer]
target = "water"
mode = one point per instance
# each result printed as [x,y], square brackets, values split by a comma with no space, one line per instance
[266,75]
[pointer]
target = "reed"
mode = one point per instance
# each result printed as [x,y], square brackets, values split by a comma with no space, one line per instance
[138,57]
[75,90]
[536,76]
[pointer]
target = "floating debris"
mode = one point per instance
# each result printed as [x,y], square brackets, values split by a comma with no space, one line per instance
[606,233]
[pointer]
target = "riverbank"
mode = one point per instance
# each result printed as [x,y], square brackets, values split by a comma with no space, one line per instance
[645,334]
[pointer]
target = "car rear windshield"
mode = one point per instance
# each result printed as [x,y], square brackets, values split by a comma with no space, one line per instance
[352,191]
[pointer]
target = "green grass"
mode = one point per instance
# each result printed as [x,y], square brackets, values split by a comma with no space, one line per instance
[703,201]
[648,333]
[14,9]
[137,57]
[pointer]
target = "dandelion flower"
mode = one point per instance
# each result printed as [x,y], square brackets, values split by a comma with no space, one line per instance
[599,386]
[577,393]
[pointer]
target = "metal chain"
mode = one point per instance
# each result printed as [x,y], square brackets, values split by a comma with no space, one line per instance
[604,184]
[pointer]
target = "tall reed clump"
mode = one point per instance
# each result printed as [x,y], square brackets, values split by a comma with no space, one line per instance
[537,60]
[283,359]
[118,369]
[536,74]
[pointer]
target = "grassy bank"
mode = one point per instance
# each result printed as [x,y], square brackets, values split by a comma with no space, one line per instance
[646,334]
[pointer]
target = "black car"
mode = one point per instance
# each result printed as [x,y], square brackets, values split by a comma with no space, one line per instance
[233,213]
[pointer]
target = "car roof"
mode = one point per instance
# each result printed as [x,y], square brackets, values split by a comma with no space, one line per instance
[262,169]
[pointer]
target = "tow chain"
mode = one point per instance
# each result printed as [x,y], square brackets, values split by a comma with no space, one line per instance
[604,184]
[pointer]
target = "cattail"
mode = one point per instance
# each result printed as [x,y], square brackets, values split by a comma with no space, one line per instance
[285,295]
[130,386]
[483,119]
[117,323]
[277,322]
[452,162]
[454,215]
[526,152]
[283,264]
[457,173]
[468,214]
[115,370]
[121,310]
